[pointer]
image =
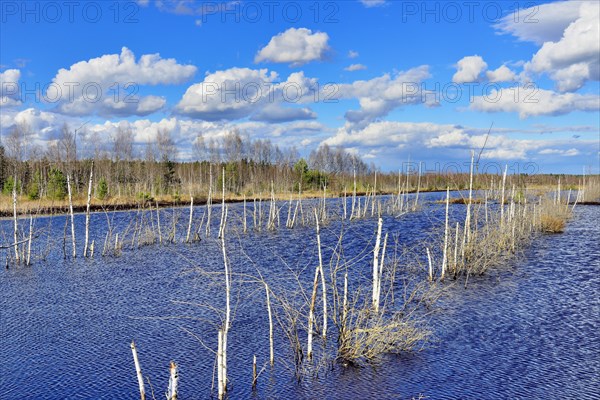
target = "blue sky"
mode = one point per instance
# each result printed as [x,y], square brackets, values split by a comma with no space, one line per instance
[386,79]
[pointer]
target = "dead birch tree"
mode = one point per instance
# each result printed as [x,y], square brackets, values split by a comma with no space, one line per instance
[138,371]
[222,352]
[87,211]
[72,216]
[375,294]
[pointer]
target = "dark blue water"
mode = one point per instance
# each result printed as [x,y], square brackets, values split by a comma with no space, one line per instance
[527,330]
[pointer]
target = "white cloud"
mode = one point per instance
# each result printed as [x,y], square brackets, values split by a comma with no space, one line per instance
[355,67]
[438,142]
[352,54]
[469,69]
[560,152]
[501,74]
[567,32]
[372,3]
[574,59]
[275,113]
[530,101]
[184,131]
[540,23]
[9,88]
[426,137]
[108,85]
[378,96]
[238,93]
[295,46]
[473,69]
[44,124]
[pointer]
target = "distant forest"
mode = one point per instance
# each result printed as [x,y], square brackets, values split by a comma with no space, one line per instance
[251,168]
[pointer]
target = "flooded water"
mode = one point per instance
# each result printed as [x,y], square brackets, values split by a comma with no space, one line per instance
[528,330]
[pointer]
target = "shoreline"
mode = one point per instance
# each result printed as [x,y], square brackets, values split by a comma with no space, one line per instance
[30,208]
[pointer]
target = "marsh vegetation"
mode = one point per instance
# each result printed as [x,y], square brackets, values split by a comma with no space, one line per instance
[357,288]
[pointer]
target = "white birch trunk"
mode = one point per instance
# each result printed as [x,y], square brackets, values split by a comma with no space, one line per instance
[430,264]
[72,216]
[323,283]
[375,299]
[189,230]
[173,381]
[87,211]
[445,256]
[138,371]
[16,222]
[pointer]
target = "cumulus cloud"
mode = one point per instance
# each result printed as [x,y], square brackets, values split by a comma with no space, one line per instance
[567,32]
[9,88]
[109,85]
[387,136]
[296,46]
[574,59]
[530,101]
[380,95]
[473,69]
[443,142]
[540,23]
[501,74]
[352,54]
[275,113]
[355,67]
[238,93]
[184,132]
[469,69]
[45,125]
[42,126]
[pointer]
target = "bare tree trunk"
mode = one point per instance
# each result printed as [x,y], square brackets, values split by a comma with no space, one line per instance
[381,263]
[445,256]
[220,378]
[245,222]
[271,351]
[456,247]
[87,211]
[254,372]
[30,240]
[189,230]
[311,315]
[209,201]
[138,371]
[72,216]
[323,283]
[374,195]
[254,215]
[375,295]
[430,264]
[173,381]
[227,322]
[221,225]
[502,200]
[353,197]
[158,223]
[468,219]
[418,188]
[16,222]
[344,305]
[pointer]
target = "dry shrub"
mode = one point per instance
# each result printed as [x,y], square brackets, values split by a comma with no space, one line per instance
[552,224]
[367,344]
[591,190]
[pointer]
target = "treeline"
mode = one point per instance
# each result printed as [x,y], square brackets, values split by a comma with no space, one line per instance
[250,166]
[126,171]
